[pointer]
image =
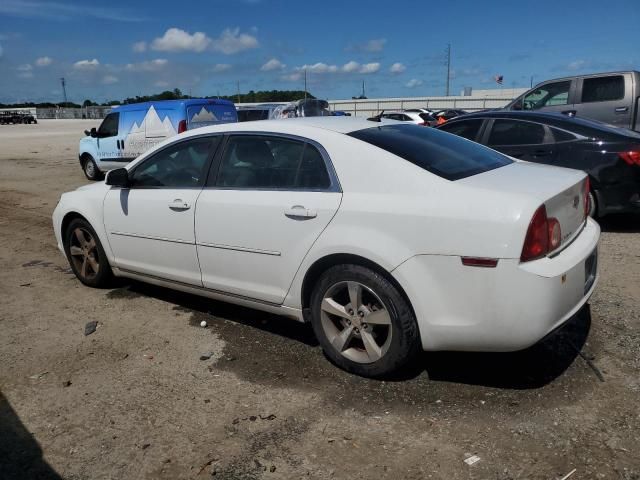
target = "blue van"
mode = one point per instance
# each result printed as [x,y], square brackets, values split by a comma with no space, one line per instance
[130,130]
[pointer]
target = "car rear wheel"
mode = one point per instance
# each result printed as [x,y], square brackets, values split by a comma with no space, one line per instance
[363,323]
[86,255]
[90,169]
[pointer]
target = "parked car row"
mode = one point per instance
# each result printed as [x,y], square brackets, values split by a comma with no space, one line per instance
[17,117]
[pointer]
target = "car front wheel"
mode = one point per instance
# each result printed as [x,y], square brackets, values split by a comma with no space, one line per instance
[362,321]
[91,170]
[86,255]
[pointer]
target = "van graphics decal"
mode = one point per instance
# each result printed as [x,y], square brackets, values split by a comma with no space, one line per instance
[146,132]
[203,116]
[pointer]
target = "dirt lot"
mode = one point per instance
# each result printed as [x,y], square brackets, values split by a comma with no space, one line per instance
[134,401]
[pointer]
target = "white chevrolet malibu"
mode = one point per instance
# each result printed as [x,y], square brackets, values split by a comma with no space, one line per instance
[389,238]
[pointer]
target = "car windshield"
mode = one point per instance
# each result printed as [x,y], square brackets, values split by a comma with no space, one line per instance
[448,156]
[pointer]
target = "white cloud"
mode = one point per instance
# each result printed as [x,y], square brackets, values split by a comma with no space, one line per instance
[318,68]
[292,77]
[350,67]
[221,67]
[414,82]
[397,68]
[375,45]
[576,65]
[109,79]
[371,46]
[148,65]
[161,84]
[43,61]
[273,64]
[177,40]
[86,64]
[232,41]
[139,47]
[370,67]
[25,67]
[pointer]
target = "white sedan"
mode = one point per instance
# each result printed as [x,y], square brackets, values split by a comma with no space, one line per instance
[389,238]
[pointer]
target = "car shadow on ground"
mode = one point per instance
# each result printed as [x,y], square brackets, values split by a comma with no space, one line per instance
[620,223]
[284,342]
[20,453]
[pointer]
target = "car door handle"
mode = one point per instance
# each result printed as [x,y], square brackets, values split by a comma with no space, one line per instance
[622,109]
[571,113]
[541,153]
[299,211]
[179,204]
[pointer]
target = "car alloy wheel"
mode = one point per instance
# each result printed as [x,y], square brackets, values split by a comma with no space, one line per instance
[356,322]
[90,169]
[84,254]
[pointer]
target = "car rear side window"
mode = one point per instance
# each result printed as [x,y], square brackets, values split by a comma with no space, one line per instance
[514,132]
[468,128]
[603,89]
[272,163]
[447,156]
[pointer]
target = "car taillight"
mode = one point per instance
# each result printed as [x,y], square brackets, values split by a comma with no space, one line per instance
[543,236]
[182,126]
[632,157]
[585,197]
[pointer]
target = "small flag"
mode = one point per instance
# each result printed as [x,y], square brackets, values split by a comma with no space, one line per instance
[498,79]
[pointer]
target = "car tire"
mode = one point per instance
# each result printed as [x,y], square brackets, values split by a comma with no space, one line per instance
[382,315]
[85,254]
[90,169]
[593,206]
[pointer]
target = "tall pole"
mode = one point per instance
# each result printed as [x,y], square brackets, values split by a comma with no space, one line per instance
[64,89]
[238,91]
[305,83]
[448,67]
[363,89]
[531,83]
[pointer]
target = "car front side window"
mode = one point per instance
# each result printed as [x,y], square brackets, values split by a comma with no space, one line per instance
[548,95]
[465,128]
[109,126]
[181,165]
[272,163]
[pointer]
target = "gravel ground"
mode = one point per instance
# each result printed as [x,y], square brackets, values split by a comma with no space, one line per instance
[134,401]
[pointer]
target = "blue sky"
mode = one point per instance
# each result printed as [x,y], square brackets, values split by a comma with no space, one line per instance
[398,48]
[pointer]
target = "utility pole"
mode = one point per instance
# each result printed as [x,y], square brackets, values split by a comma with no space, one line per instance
[448,67]
[531,82]
[64,89]
[305,83]
[238,91]
[363,95]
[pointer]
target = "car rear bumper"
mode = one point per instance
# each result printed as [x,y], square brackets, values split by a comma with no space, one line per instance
[506,308]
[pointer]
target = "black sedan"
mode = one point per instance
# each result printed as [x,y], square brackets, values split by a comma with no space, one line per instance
[610,155]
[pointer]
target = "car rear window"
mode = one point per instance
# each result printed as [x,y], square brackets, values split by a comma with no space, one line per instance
[201,115]
[448,156]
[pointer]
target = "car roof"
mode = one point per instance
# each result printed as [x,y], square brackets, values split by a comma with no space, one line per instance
[585,75]
[584,126]
[171,104]
[338,124]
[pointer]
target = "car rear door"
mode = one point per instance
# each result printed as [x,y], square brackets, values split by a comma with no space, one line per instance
[264,206]
[523,140]
[607,98]
[150,224]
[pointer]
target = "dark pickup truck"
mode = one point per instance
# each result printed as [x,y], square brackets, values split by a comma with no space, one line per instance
[608,97]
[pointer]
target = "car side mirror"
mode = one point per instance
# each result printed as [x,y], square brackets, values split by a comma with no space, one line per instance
[517,105]
[118,178]
[92,133]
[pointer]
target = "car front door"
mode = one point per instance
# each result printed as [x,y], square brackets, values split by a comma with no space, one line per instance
[523,140]
[150,225]
[552,97]
[607,99]
[108,142]
[262,209]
